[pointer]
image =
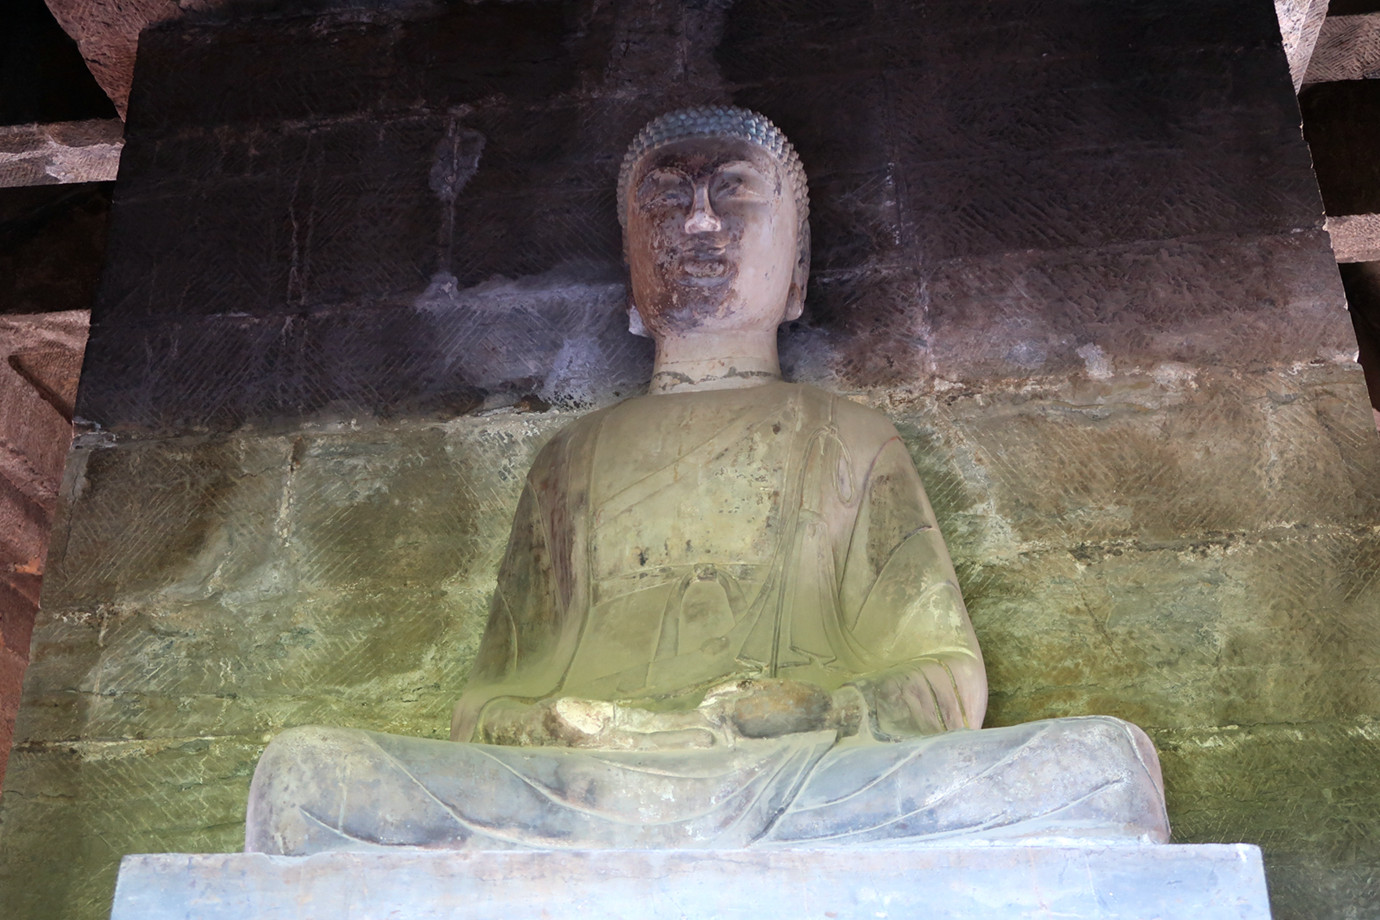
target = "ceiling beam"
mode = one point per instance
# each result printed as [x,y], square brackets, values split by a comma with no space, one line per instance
[69,151]
[1348,48]
[1355,237]
[1299,24]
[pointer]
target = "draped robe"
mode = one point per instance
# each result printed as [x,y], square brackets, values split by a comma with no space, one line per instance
[674,542]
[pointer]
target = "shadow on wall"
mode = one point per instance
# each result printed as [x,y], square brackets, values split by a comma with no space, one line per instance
[1362,283]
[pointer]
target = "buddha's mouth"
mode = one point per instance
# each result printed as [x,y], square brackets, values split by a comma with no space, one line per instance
[704,266]
[704,269]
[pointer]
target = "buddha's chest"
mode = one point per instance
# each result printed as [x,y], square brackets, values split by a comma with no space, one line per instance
[693,485]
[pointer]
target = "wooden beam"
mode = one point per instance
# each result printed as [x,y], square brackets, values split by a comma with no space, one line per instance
[1348,48]
[71,151]
[1299,23]
[1355,237]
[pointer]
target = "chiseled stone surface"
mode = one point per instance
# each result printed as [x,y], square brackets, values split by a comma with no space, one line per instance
[415,216]
[1300,21]
[1348,49]
[55,154]
[1072,249]
[108,36]
[1355,237]
[1080,883]
[41,355]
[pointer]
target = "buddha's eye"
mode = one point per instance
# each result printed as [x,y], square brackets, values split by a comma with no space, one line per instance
[728,185]
[662,190]
[737,183]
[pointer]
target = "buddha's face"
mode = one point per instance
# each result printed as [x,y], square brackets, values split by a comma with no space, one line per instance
[712,239]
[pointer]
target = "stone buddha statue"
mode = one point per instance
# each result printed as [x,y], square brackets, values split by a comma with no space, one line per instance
[726,617]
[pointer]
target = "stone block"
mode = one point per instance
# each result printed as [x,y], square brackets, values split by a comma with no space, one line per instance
[833,121]
[966,208]
[61,153]
[769,39]
[1254,782]
[360,562]
[1211,882]
[1137,460]
[1348,48]
[72,809]
[59,683]
[198,516]
[1307,888]
[955,169]
[1248,303]
[1218,632]
[522,55]
[1213,99]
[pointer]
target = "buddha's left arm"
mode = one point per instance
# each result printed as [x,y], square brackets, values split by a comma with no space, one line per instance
[904,615]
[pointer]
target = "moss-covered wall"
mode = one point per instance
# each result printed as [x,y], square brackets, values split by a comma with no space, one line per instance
[364,264]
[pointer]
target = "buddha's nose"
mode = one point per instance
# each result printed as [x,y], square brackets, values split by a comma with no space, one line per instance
[701,218]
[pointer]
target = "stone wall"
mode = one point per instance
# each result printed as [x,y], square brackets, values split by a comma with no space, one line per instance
[40,360]
[363,263]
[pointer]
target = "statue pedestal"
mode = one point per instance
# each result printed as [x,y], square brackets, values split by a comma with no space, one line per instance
[1205,882]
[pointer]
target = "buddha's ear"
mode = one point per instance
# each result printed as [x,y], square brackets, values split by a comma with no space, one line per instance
[795,303]
[635,325]
[795,299]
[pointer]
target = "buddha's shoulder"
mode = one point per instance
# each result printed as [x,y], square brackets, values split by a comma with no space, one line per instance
[575,432]
[855,422]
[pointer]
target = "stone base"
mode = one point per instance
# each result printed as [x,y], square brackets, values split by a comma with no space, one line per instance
[1202,882]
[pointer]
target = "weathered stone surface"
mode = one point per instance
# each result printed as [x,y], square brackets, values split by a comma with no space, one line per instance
[450,353]
[312,168]
[1355,237]
[1301,649]
[282,268]
[1119,882]
[1091,598]
[377,549]
[1300,22]
[1262,777]
[1348,49]
[41,357]
[1154,458]
[55,154]
[119,797]
[108,36]
[1267,301]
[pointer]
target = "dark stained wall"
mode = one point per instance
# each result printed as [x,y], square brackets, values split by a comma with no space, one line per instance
[995,188]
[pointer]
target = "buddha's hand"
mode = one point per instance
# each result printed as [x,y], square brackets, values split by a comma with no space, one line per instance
[574,722]
[772,707]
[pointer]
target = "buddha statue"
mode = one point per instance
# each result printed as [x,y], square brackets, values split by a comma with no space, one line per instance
[725,617]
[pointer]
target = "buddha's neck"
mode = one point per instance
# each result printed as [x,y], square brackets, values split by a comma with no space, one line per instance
[714,361]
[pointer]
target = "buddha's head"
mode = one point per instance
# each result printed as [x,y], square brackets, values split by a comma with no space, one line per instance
[715,211]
